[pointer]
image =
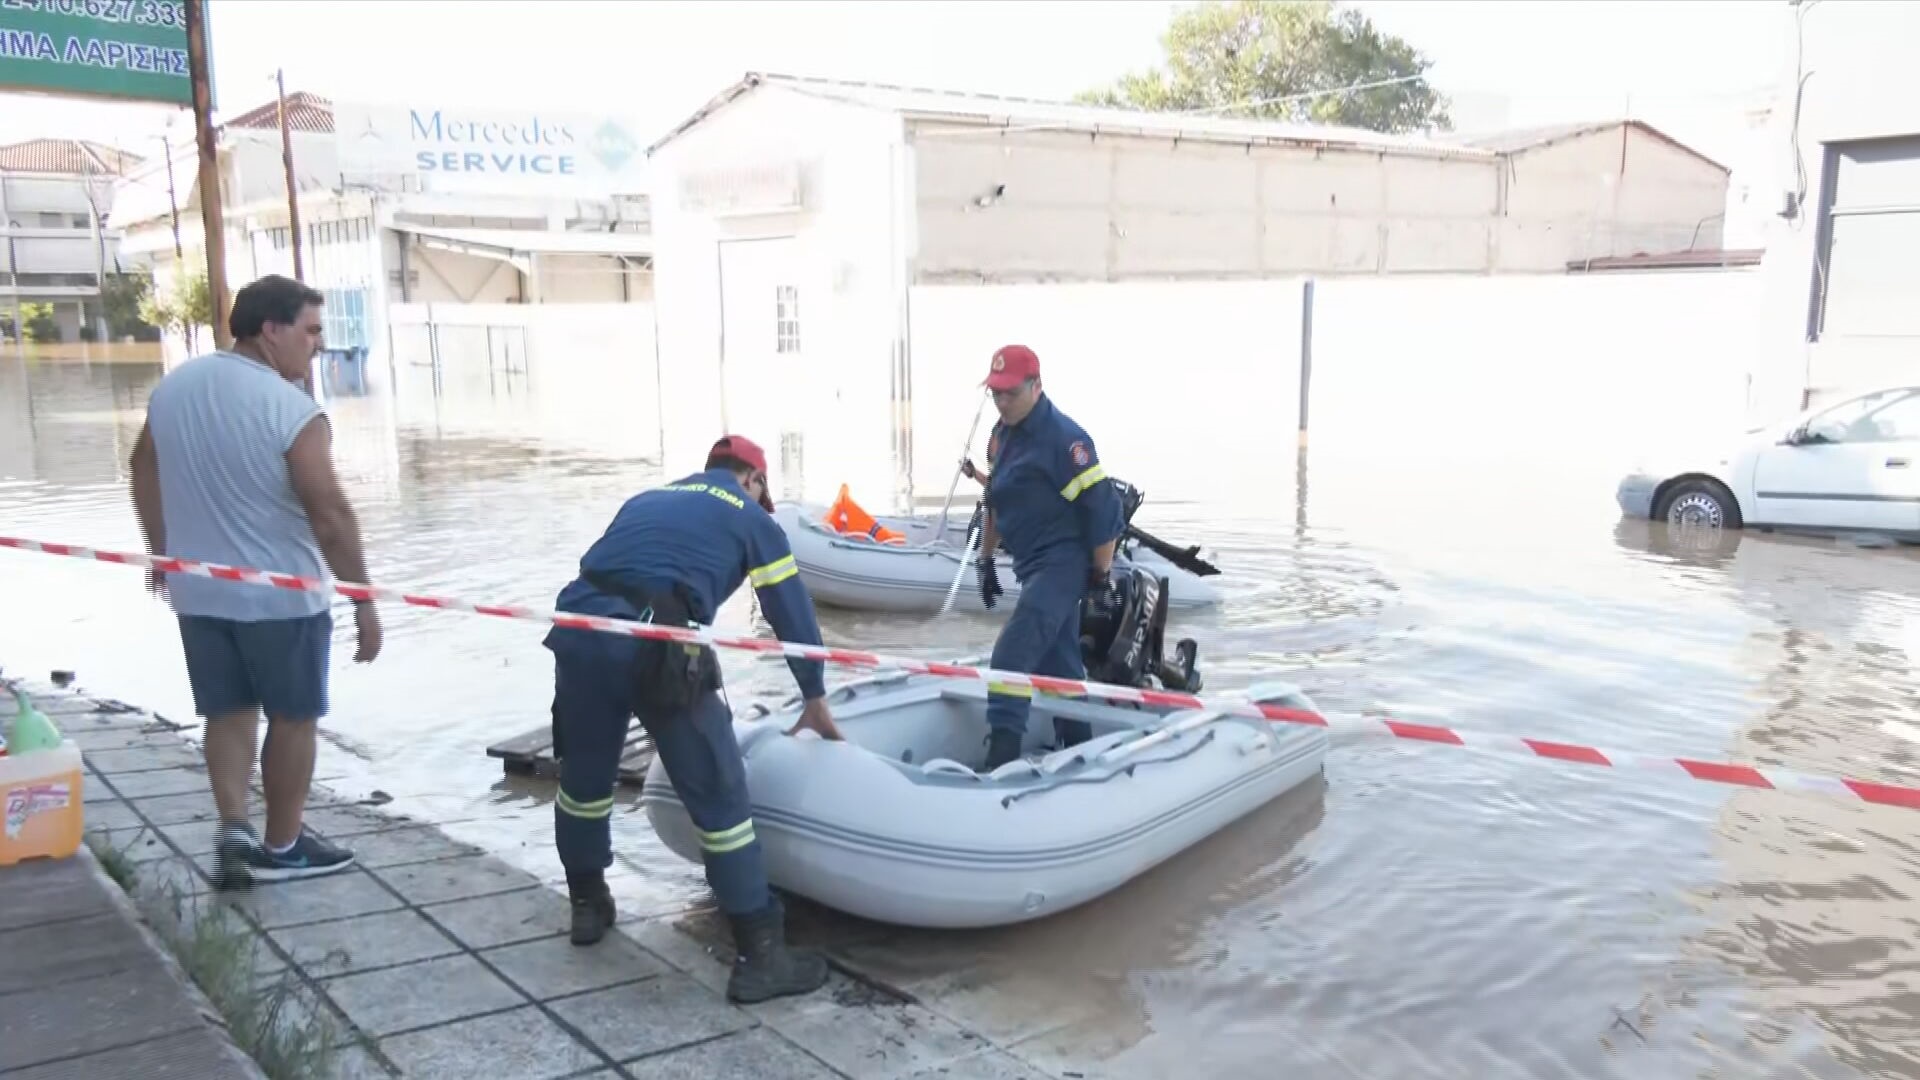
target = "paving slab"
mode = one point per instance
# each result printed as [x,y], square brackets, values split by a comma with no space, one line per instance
[867,1033]
[404,845]
[179,808]
[701,961]
[40,891]
[157,877]
[50,955]
[154,782]
[144,1001]
[341,821]
[119,738]
[746,1055]
[556,967]
[454,879]
[425,994]
[192,837]
[347,946]
[190,1055]
[162,753]
[292,903]
[109,814]
[523,1044]
[649,1017]
[503,919]
[990,1065]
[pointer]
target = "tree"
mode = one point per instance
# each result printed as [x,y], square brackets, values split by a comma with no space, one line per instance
[1284,60]
[186,307]
[122,299]
[38,324]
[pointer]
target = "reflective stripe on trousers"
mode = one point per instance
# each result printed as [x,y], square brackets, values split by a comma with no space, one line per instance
[592,710]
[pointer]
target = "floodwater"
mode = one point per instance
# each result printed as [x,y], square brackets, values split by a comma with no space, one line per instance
[1423,911]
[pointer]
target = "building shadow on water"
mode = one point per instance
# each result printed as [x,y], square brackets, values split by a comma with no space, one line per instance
[1079,976]
[1809,941]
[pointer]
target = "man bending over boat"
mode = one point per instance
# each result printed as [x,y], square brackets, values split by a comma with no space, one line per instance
[1050,503]
[672,556]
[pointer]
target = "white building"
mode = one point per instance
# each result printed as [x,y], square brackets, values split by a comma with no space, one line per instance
[794,217]
[1841,265]
[56,201]
[395,249]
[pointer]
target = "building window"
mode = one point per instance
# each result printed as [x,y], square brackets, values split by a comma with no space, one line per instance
[786,319]
[1867,248]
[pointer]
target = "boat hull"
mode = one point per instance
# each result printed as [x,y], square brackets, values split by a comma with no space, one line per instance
[928,842]
[855,573]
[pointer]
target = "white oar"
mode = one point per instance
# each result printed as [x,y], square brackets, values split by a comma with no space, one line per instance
[966,560]
[940,535]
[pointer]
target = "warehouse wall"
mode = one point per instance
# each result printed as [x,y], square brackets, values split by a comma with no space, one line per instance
[1597,195]
[1078,208]
[1564,379]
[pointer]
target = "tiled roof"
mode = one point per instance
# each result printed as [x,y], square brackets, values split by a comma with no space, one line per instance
[67,157]
[305,112]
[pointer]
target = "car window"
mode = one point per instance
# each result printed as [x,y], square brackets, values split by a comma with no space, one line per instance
[1859,420]
[1898,422]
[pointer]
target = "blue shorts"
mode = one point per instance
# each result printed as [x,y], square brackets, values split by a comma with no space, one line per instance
[276,665]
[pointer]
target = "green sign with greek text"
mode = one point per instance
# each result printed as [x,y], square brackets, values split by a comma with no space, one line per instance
[132,50]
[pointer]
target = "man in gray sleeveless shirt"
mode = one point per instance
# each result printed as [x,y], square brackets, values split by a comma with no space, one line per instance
[235,466]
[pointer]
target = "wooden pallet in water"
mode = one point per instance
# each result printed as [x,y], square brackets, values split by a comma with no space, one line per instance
[532,754]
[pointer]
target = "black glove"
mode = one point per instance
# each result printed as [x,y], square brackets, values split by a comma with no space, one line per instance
[1099,582]
[990,590]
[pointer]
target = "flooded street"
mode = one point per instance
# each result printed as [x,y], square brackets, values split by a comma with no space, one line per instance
[1423,911]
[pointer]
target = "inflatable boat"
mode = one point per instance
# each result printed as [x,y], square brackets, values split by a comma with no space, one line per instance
[895,824]
[914,566]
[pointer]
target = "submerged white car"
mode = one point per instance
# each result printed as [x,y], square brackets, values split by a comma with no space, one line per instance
[1851,467]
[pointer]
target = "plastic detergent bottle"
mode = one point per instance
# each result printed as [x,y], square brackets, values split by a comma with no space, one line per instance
[42,812]
[32,731]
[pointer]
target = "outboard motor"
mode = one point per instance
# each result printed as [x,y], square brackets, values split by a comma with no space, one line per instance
[1123,635]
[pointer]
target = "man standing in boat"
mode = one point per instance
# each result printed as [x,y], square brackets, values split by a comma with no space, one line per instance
[672,556]
[1050,504]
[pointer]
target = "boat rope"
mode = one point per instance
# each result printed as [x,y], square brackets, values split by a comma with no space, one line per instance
[1124,770]
[1717,772]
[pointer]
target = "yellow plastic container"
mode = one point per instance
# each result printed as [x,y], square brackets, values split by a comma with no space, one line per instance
[42,811]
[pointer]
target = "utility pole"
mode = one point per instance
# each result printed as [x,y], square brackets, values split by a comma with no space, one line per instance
[173,204]
[293,189]
[212,222]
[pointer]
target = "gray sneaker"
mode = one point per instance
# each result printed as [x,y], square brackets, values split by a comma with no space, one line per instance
[309,857]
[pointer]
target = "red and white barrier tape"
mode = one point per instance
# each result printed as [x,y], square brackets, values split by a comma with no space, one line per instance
[1711,771]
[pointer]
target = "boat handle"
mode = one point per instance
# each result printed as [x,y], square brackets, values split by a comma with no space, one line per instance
[1896,463]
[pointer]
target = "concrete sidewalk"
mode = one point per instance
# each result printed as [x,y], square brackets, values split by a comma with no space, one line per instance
[73,947]
[441,961]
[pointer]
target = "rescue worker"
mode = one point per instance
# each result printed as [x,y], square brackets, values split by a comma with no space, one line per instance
[672,556]
[1050,504]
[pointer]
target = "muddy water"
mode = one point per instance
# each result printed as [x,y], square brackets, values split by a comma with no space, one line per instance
[1422,911]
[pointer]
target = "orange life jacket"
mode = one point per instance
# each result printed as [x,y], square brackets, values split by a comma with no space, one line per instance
[847,519]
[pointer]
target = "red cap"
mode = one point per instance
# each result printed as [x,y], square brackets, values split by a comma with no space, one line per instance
[1012,365]
[744,449]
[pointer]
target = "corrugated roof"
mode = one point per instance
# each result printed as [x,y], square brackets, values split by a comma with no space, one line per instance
[1520,140]
[1025,113]
[305,112]
[66,157]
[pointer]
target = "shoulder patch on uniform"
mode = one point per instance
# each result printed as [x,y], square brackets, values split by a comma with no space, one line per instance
[1080,454]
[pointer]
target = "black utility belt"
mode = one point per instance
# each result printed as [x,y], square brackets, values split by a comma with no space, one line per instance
[668,676]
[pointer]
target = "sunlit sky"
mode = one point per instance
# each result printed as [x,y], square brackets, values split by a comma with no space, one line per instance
[1693,67]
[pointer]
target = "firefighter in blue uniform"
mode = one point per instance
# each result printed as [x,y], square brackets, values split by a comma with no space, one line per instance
[1049,502]
[673,555]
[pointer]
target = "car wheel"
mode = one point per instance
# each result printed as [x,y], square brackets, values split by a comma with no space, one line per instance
[1698,504]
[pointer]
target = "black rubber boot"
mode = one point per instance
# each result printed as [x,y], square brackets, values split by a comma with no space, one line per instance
[593,912]
[1002,747]
[764,967]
